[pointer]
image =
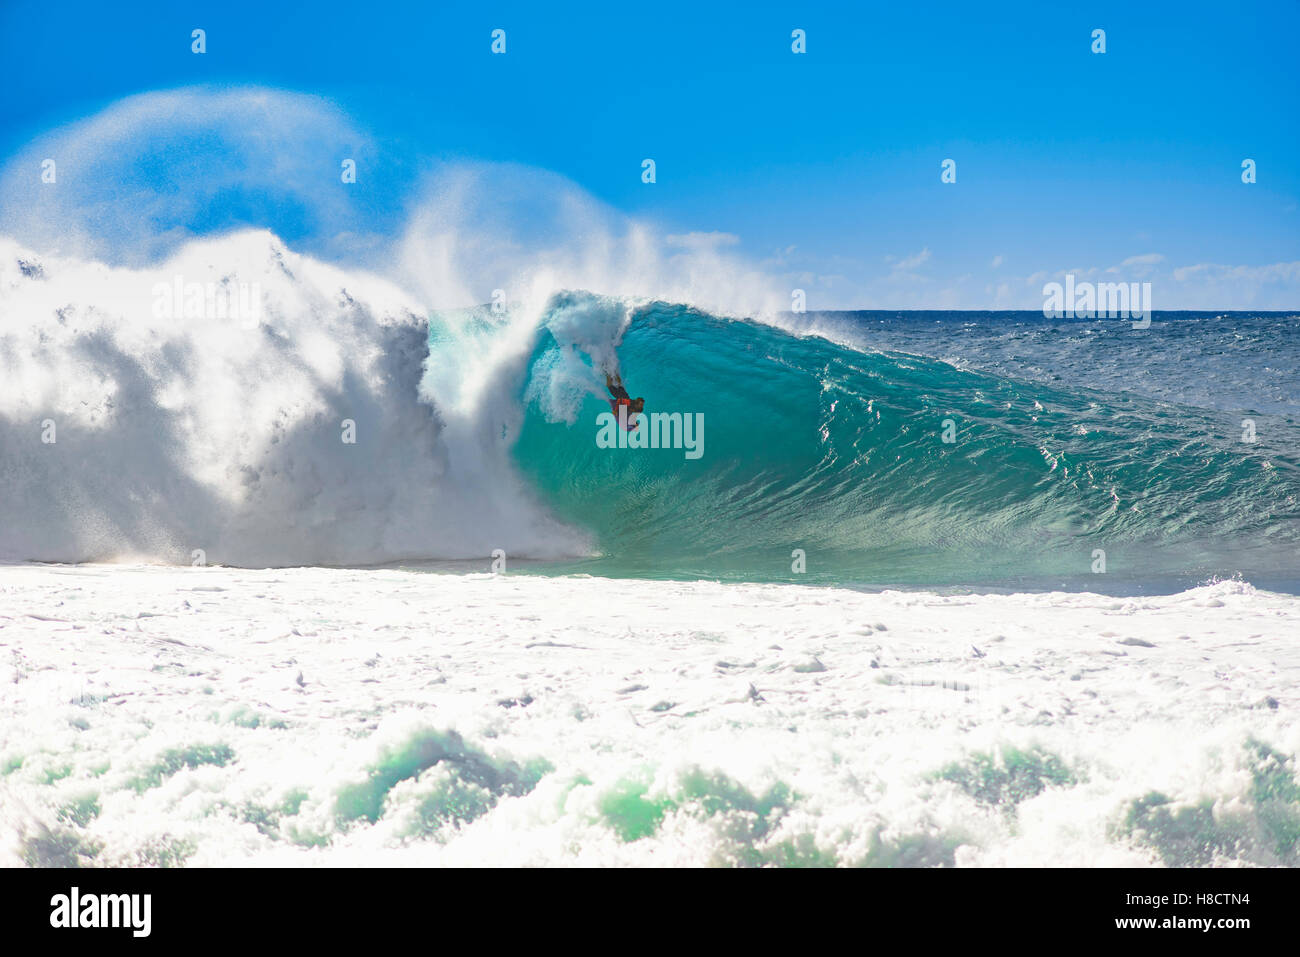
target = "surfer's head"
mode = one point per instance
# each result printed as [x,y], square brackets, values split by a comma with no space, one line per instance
[636,406]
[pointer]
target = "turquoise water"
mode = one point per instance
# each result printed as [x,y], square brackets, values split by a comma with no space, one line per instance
[837,449]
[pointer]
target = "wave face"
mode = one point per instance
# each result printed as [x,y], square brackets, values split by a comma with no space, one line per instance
[814,445]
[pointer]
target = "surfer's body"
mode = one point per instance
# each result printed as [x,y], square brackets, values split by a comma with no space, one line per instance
[626,409]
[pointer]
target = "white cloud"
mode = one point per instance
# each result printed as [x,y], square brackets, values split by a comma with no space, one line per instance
[1277,272]
[1138,265]
[1144,259]
[910,262]
[997,261]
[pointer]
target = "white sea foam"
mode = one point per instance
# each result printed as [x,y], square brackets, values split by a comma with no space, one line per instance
[316,716]
[172,435]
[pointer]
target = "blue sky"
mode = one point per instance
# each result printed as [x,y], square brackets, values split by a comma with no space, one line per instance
[824,166]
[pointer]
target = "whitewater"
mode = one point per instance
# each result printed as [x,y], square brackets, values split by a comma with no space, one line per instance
[179,435]
[207,716]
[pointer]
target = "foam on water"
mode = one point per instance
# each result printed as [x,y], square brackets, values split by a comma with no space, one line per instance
[219,716]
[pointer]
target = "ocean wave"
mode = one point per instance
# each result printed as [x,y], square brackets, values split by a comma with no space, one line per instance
[887,467]
[344,425]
